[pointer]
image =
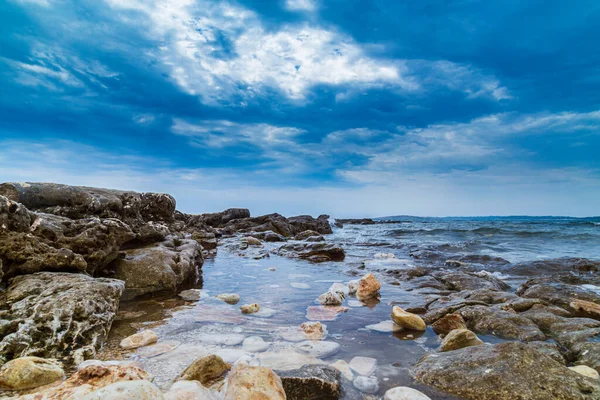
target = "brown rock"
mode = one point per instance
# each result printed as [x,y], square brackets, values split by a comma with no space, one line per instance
[29,372]
[368,287]
[448,323]
[205,369]
[253,383]
[458,339]
[407,320]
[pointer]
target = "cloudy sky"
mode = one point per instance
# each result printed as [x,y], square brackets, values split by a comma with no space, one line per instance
[346,107]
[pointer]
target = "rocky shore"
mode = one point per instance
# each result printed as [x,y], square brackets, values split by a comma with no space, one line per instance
[72,257]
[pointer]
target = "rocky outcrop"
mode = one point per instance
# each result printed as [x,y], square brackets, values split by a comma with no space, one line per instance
[164,267]
[509,371]
[316,252]
[220,219]
[56,315]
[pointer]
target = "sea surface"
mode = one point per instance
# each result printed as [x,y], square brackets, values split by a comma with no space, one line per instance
[286,288]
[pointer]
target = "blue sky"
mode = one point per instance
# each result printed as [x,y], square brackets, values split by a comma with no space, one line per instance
[346,107]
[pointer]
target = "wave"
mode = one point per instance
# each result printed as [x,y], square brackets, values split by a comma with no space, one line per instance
[488,231]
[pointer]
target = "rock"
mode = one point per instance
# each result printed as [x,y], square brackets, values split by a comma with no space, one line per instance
[407,320]
[250,308]
[339,287]
[586,371]
[204,369]
[586,308]
[248,383]
[313,330]
[312,382]
[459,338]
[163,267]
[324,313]
[366,384]
[255,344]
[219,219]
[306,234]
[510,371]
[556,293]
[384,327]
[316,252]
[344,368]
[139,390]
[318,349]
[504,324]
[470,281]
[14,216]
[404,393]
[274,237]
[207,240]
[368,287]
[192,295]
[356,221]
[385,255]
[158,349]
[365,366]
[251,241]
[139,339]
[306,222]
[229,298]
[331,298]
[29,372]
[285,360]
[448,323]
[58,315]
[189,390]
[353,286]
[87,380]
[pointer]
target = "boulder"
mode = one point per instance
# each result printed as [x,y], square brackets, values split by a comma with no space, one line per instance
[470,280]
[56,315]
[458,339]
[586,308]
[139,390]
[139,339]
[247,383]
[306,222]
[220,219]
[365,366]
[205,369]
[316,252]
[368,287]
[312,382]
[508,371]
[207,240]
[407,320]
[557,293]
[306,234]
[164,267]
[404,393]
[29,372]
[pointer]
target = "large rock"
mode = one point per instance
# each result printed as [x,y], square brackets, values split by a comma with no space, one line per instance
[317,252]
[166,266]
[312,382]
[306,222]
[14,216]
[29,372]
[253,383]
[55,315]
[557,293]
[508,371]
[505,324]
[220,219]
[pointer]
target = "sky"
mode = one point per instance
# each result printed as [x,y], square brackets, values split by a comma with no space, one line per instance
[354,108]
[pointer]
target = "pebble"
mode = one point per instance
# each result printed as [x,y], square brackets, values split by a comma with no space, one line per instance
[368,287]
[313,330]
[331,298]
[255,344]
[318,349]
[364,366]
[366,384]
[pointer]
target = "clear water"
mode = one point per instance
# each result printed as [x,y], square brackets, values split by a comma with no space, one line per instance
[211,326]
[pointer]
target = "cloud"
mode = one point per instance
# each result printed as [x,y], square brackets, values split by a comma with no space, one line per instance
[301,5]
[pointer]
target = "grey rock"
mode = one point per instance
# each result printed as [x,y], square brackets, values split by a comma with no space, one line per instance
[311,382]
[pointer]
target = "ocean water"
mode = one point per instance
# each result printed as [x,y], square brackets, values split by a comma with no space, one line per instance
[286,288]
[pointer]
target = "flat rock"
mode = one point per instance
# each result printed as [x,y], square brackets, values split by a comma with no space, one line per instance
[365,366]
[318,349]
[158,349]
[255,344]
[384,327]
[139,339]
[366,384]
[285,360]
[324,313]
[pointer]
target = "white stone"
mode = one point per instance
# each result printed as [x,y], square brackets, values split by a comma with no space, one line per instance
[139,339]
[586,371]
[318,349]
[353,286]
[299,285]
[139,390]
[331,299]
[404,393]
[190,390]
[339,287]
[344,368]
[227,339]
[365,366]
[255,344]
[285,360]
[366,384]
[385,327]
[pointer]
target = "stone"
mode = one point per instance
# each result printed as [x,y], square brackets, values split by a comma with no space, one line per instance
[139,390]
[29,372]
[505,324]
[306,234]
[586,308]
[366,384]
[265,312]
[365,366]
[192,295]
[158,349]
[324,313]
[307,223]
[204,370]
[250,308]
[285,360]
[58,315]
[353,286]
[448,323]
[316,252]
[384,327]
[251,241]
[407,320]
[508,371]
[255,344]
[586,371]
[458,281]
[313,330]
[247,383]
[220,219]
[163,267]
[229,298]
[404,393]
[331,299]
[190,390]
[139,339]
[368,287]
[339,288]
[312,382]
[344,368]
[318,349]
[207,240]
[459,338]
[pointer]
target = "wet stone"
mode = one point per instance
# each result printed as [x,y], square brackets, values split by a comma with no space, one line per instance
[318,349]
[312,382]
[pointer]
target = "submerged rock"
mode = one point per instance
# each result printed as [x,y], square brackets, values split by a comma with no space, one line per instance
[510,371]
[57,315]
[368,287]
[324,313]
[384,327]
[313,330]
[204,369]
[458,339]
[344,368]
[139,339]
[245,382]
[407,320]
[404,393]
[255,344]
[365,366]
[366,384]
[312,382]
[250,308]
[29,372]
[318,349]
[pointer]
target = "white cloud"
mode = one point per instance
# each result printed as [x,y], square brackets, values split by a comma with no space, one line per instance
[301,5]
